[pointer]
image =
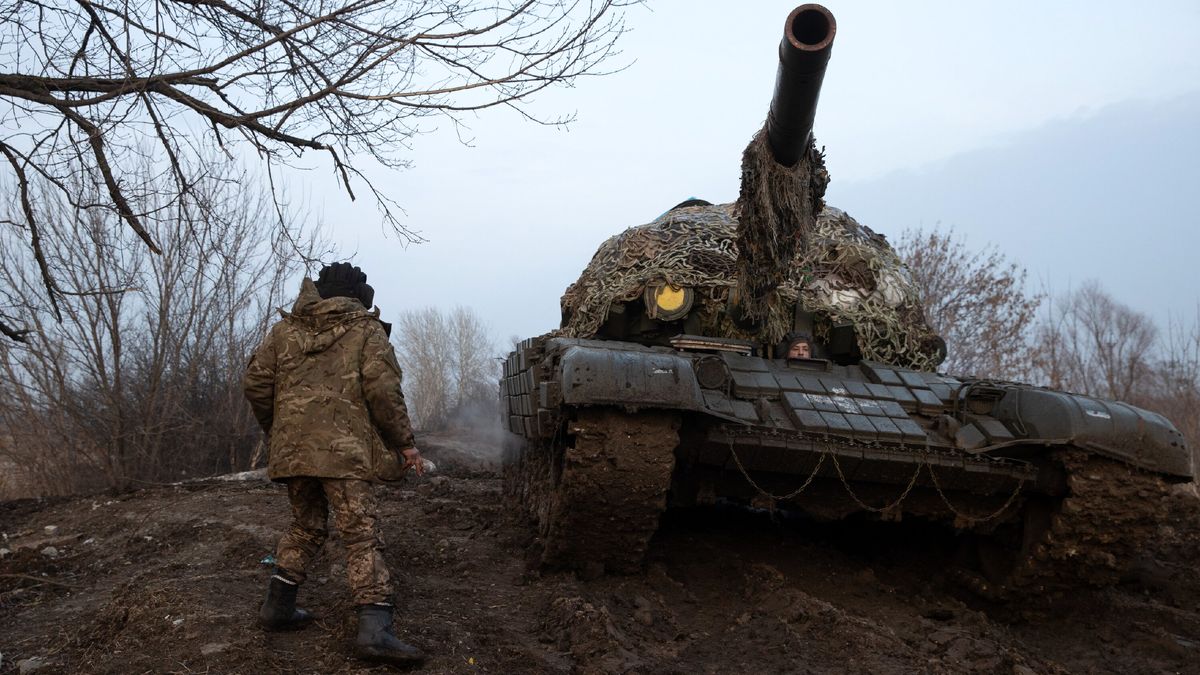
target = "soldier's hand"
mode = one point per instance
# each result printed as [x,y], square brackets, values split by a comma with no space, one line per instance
[412,459]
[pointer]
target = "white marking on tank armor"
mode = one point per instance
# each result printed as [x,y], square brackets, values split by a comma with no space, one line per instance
[845,404]
[662,371]
[1098,413]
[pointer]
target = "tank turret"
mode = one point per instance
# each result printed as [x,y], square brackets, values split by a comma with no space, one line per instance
[774,262]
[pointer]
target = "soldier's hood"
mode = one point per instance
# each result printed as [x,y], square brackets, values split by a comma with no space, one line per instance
[323,321]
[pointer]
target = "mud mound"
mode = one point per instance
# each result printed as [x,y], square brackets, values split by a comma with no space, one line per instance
[167,580]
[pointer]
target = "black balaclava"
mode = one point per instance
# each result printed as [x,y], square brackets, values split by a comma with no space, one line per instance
[343,280]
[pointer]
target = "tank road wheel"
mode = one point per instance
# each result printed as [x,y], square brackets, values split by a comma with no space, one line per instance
[610,480]
[1091,537]
[1000,554]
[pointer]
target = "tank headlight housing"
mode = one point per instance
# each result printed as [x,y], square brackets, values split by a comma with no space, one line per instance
[667,302]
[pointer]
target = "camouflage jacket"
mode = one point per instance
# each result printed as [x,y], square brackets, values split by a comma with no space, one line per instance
[325,387]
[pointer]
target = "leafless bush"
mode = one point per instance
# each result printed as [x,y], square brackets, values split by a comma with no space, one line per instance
[1092,344]
[450,367]
[976,300]
[92,88]
[133,375]
[1176,388]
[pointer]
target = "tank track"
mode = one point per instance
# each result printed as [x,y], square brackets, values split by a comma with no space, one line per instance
[527,479]
[608,489]
[1110,515]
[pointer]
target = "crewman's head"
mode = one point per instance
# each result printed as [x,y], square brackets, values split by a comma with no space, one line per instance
[795,346]
[343,280]
[799,349]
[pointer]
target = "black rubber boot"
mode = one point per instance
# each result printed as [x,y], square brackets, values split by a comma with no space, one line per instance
[376,642]
[279,611]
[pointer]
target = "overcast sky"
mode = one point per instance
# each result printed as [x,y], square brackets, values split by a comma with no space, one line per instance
[1066,133]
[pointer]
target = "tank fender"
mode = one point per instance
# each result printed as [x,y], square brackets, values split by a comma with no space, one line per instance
[1118,430]
[644,379]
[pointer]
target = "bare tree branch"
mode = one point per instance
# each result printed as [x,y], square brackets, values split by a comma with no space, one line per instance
[35,239]
[156,83]
[977,302]
[15,334]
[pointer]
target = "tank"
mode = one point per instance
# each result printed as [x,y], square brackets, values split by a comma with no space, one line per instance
[774,352]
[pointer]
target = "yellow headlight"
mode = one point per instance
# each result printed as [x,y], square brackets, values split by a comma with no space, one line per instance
[667,302]
[669,298]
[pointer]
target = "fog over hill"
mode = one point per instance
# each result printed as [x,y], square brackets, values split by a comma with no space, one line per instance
[1107,195]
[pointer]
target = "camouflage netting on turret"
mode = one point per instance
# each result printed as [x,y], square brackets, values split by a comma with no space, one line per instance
[845,273]
[691,246]
[777,211]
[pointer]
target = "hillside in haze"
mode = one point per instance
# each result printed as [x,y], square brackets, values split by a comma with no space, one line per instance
[1109,195]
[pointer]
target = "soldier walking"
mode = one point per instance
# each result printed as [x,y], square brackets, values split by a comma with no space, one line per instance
[325,387]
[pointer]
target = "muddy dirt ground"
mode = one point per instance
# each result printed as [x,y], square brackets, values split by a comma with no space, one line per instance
[167,580]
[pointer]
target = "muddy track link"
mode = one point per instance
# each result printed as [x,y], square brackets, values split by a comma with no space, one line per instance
[527,478]
[1112,512]
[607,488]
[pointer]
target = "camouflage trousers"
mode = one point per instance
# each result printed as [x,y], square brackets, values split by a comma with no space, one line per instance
[354,514]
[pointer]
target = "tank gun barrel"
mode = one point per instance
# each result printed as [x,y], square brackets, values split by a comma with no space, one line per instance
[803,55]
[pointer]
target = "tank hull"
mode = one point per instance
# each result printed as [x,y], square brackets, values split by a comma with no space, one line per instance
[777,416]
[1040,482]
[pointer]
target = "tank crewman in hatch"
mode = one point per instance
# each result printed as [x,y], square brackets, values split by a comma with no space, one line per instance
[795,346]
[325,387]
